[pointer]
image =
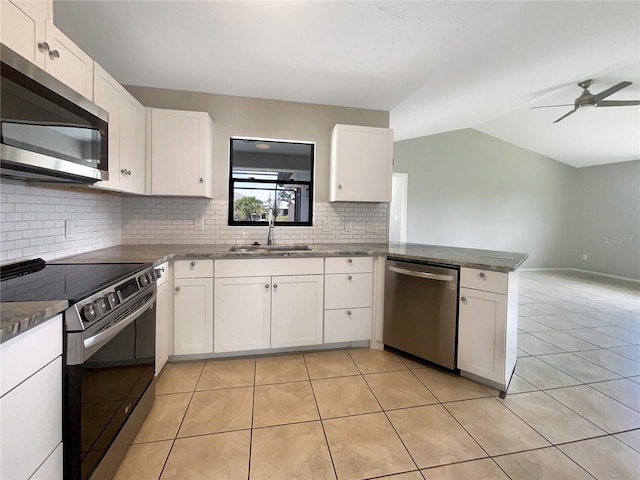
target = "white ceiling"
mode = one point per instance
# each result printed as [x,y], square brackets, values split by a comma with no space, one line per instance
[436,66]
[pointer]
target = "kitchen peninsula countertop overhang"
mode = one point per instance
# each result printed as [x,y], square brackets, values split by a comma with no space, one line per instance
[16,318]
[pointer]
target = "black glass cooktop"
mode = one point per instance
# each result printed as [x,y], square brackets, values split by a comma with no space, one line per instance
[72,282]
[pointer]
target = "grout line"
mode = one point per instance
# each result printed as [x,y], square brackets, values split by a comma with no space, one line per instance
[253,406]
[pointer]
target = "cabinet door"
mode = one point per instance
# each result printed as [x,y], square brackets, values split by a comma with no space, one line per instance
[242,312]
[193,316]
[132,144]
[296,310]
[180,153]
[481,334]
[107,94]
[22,27]
[31,419]
[164,324]
[71,65]
[361,164]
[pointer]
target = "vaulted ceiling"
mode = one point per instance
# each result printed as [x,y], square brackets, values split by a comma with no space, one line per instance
[437,66]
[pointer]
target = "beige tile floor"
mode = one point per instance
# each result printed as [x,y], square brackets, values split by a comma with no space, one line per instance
[573,408]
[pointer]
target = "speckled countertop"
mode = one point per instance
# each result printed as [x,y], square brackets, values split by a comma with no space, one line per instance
[18,317]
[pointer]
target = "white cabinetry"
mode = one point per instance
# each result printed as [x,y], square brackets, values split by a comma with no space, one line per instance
[348,300]
[27,28]
[179,153]
[487,325]
[31,403]
[193,307]
[361,164]
[126,133]
[268,303]
[22,27]
[164,316]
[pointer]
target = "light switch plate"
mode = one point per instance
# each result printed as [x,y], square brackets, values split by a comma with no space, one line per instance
[198,224]
[372,227]
[69,229]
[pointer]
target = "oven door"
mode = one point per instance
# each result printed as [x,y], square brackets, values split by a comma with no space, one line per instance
[108,391]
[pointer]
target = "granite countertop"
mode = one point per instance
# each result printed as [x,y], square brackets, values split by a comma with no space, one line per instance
[17,317]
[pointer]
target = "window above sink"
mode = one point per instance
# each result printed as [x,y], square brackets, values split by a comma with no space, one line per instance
[271,178]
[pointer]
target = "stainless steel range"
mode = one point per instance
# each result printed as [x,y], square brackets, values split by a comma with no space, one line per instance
[109,354]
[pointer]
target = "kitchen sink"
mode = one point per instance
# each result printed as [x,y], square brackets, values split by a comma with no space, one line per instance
[268,248]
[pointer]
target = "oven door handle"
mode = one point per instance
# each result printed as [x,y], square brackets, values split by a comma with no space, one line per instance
[109,333]
[426,275]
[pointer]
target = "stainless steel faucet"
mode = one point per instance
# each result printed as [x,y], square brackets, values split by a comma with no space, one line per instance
[270,234]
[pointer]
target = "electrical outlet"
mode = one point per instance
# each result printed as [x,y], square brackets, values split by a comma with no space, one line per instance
[347,227]
[326,226]
[69,229]
[198,224]
[585,256]
[372,227]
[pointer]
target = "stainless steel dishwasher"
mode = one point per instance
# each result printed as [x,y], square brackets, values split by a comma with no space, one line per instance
[421,310]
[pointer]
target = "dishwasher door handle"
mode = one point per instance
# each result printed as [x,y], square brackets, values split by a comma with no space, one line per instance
[425,275]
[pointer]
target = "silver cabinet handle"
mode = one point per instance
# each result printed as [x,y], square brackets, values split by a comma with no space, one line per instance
[177,289]
[481,275]
[53,54]
[350,260]
[349,312]
[463,299]
[43,46]
[266,285]
[193,264]
[349,277]
[275,285]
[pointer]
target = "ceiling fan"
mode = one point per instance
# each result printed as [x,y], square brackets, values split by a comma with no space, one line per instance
[588,99]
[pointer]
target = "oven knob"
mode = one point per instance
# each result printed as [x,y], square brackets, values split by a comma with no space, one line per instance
[158,272]
[101,306]
[112,300]
[143,279]
[89,312]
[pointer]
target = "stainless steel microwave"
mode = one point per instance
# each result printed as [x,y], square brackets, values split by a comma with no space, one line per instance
[49,132]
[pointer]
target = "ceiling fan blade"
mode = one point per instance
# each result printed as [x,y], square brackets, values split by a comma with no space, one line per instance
[609,91]
[566,115]
[561,105]
[617,103]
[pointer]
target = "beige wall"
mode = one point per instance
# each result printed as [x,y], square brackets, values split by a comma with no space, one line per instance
[261,118]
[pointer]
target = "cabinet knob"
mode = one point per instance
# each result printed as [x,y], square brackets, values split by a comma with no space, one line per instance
[349,277]
[43,46]
[162,269]
[275,285]
[177,289]
[481,275]
[463,299]
[201,180]
[193,264]
[266,285]
[350,260]
[340,187]
[349,312]
[53,54]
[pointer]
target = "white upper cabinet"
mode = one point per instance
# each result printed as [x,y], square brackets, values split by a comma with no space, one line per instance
[27,28]
[179,153]
[127,120]
[361,164]
[22,27]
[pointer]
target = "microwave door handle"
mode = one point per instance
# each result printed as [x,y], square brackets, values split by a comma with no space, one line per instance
[108,334]
[425,275]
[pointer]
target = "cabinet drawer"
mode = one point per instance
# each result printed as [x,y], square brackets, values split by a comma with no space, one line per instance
[484,280]
[347,325]
[348,290]
[164,272]
[259,267]
[348,265]
[24,355]
[197,268]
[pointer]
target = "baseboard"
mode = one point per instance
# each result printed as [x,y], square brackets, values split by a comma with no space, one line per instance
[583,271]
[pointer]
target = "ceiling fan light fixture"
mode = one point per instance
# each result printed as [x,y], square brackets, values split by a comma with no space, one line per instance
[263,146]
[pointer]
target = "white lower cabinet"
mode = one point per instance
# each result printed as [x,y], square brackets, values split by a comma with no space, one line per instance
[31,403]
[347,325]
[487,325]
[255,308]
[164,316]
[193,307]
[242,312]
